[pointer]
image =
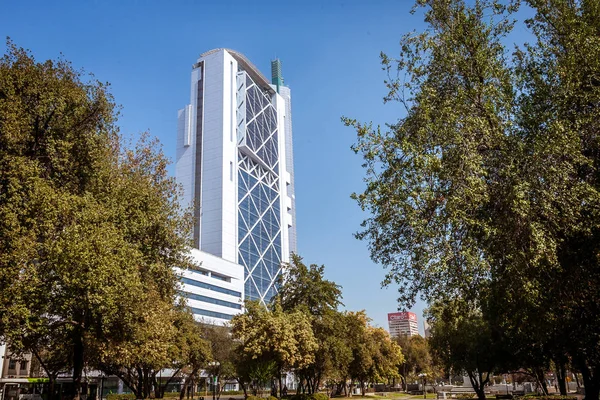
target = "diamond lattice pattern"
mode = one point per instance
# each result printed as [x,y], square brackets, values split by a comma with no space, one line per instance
[259,225]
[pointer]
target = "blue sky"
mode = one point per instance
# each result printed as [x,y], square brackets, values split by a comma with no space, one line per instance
[330,54]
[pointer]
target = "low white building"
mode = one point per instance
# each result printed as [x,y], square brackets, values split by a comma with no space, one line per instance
[214,291]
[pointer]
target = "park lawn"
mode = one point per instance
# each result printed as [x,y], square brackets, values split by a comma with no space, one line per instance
[404,396]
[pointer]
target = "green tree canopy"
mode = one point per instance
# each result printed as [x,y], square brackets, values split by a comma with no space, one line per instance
[285,338]
[486,190]
[90,229]
[306,286]
[463,341]
[305,289]
[417,357]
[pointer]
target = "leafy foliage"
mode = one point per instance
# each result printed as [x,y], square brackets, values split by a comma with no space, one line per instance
[304,286]
[463,341]
[487,190]
[417,358]
[90,230]
[306,290]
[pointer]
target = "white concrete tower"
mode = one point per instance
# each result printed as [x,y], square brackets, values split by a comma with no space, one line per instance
[233,166]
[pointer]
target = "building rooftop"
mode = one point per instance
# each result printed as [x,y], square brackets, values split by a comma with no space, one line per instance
[250,68]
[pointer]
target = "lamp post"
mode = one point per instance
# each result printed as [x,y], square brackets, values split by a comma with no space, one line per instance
[424,376]
[215,365]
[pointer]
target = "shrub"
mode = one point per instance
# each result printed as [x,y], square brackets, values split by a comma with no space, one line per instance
[304,396]
[301,396]
[114,396]
[249,398]
[535,396]
[272,398]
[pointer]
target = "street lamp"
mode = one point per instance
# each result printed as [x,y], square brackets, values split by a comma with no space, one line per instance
[424,376]
[214,364]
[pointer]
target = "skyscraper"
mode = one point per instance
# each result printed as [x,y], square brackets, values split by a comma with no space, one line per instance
[235,164]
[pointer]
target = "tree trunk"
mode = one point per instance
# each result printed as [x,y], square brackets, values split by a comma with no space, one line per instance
[245,389]
[52,388]
[591,380]
[478,384]
[162,388]
[539,379]
[147,384]
[51,376]
[186,383]
[139,393]
[280,385]
[77,363]
[155,385]
[561,377]
[317,384]
[542,379]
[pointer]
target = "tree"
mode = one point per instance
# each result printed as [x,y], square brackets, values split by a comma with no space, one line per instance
[303,286]
[273,335]
[487,189]
[375,356]
[90,229]
[223,348]
[559,115]
[386,355]
[417,358]
[165,338]
[196,354]
[304,289]
[427,177]
[463,341]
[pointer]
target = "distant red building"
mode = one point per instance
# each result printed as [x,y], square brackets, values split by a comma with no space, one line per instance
[403,323]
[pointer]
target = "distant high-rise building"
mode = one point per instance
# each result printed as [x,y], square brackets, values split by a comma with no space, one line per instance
[426,329]
[403,323]
[235,164]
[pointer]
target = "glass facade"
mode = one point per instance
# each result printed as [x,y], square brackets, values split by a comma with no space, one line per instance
[208,286]
[259,202]
[211,300]
[213,314]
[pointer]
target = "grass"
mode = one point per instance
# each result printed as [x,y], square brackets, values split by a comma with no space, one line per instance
[399,395]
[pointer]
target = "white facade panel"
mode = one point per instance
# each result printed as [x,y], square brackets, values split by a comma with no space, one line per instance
[282,172]
[285,92]
[184,169]
[229,165]
[212,156]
